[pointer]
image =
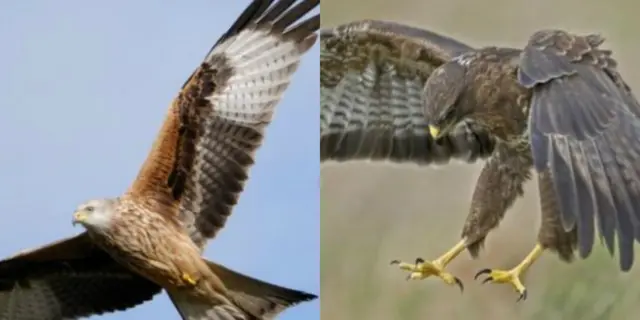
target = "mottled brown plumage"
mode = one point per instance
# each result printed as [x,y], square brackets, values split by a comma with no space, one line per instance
[558,106]
[151,238]
[563,93]
[372,74]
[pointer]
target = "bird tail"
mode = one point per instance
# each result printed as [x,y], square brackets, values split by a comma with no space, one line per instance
[251,299]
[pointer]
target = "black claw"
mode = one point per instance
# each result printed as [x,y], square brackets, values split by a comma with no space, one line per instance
[419,260]
[460,285]
[488,279]
[481,272]
[395,262]
[523,296]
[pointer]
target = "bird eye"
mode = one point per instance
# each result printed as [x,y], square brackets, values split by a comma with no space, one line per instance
[89,209]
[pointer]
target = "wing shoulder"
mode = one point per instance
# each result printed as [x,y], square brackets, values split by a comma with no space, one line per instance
[550,54]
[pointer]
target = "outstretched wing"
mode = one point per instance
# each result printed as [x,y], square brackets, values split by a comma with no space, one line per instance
[585,128]
[372,74]
[200,160]
[68,279]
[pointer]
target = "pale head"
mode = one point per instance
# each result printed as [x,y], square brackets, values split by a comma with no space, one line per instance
[95,214]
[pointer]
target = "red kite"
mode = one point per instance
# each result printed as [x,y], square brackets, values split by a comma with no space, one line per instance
[151,238]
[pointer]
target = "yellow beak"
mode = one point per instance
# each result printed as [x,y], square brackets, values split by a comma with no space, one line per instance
[434,131]
[79,216]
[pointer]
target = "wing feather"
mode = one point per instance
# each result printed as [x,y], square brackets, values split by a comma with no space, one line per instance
[584,127]
[200,160]
[67,279]
[372,77]
[190,309]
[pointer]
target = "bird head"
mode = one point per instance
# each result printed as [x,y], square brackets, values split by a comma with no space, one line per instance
[95,214]
[442,96]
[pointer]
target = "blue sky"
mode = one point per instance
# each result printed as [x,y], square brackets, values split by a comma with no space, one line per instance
[84,88]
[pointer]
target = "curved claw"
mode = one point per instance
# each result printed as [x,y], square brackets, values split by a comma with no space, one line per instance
[419,260]
[523,296]
[481,272]
[459,283]
[510,277]
[394,262]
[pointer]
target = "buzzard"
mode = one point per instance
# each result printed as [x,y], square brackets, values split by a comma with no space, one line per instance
[558,108]
[151,238]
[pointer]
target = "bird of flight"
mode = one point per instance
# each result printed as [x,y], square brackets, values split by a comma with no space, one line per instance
[151,238]
[558,108]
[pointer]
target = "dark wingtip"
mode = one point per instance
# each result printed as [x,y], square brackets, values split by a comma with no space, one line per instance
[305,296]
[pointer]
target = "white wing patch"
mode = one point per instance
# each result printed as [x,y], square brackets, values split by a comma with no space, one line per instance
[262,68]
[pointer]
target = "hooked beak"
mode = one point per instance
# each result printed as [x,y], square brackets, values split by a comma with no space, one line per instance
[434,131]
[79,217]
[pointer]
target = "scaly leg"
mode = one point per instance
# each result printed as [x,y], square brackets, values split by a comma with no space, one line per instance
[423,269]
[513,276]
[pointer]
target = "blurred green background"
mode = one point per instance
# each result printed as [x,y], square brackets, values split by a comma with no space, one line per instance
[373,213]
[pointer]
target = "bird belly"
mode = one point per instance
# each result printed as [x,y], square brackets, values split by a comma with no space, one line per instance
[166,259]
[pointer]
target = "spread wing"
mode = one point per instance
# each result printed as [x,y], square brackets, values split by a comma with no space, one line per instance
[67,279]
[200,160]
[585,128]
[372,74]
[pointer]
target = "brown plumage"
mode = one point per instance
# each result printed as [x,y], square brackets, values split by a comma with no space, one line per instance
[151,238]
[559,106]
[372,74]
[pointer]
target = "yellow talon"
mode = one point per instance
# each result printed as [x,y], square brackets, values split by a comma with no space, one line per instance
[186,277]
[423,269]
[501,276]
[513,276]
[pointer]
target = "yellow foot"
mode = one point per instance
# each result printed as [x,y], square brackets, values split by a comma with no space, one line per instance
[513,276]
[422,269]
[500,276]
[188,278]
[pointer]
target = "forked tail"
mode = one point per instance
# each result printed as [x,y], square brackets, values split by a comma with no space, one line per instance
[250,299]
